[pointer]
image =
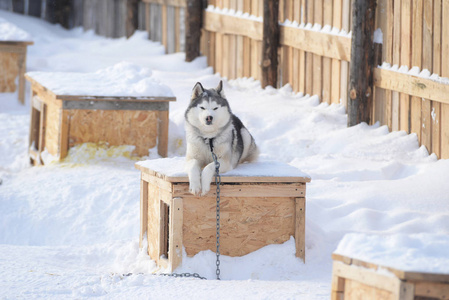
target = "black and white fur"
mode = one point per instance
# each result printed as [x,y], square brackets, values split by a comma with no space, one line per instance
[209,118]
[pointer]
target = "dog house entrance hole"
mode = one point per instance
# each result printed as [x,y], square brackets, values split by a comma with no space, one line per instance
[165,229]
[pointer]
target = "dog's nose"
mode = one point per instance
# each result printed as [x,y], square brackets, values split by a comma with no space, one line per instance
[209,120]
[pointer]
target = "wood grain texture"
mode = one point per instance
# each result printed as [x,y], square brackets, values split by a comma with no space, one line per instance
[115,127]
[246,224]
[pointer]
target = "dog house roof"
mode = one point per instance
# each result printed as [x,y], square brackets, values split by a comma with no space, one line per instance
[172,170]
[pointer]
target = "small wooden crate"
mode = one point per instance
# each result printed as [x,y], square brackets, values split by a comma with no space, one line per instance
[357,279]
[13,64]
[255,210]
[59,122]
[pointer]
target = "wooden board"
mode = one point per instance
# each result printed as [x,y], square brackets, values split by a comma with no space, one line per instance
[116,127]
[246,225]
[8,72]
[226,24]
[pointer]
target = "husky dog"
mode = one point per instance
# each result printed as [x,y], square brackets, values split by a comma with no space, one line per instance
[210,123]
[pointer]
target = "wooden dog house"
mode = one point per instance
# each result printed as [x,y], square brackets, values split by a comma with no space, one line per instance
[358,279]
[256,210]
[61,120]
[13,64]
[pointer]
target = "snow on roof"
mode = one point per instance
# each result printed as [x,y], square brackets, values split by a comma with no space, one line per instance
[174,167]
[427,253]
[10,32]
[122,79]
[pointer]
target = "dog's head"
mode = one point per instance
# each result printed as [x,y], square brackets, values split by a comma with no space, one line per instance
[208,110]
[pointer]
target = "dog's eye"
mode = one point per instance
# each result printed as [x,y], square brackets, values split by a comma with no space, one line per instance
[202,108]
[215,108]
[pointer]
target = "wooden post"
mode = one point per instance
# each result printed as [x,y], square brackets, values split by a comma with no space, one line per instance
[60,12]
[270,43]
[362,58]
[132,17]
[194,18]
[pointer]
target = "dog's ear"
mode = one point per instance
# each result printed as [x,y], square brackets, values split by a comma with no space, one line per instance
[219,89]
[197,91]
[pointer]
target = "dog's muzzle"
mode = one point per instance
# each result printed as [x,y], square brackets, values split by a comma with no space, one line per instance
[209,120]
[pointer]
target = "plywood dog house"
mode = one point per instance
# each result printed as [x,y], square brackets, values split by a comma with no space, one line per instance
[256,210]
[63,118]
[405,267]
[13,65]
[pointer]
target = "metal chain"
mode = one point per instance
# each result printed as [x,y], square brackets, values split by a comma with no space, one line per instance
[217,262]
[217,183]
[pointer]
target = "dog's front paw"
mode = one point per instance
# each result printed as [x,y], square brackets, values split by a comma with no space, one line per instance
[205,188]
[195,188]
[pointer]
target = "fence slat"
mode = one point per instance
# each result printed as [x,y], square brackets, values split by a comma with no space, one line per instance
[317,59]
[415,109]
[426,128]
[445,73]
[436,106]
[336,64]
[404,113]
[327,63]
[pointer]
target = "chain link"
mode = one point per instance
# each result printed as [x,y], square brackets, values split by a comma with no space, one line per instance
[217,183]
[217,262]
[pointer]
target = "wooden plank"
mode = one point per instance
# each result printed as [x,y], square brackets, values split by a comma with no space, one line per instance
[344,64]
[318,43]
[432,290]
[411,85]
[63,139]
[336,64]
[415,107]
[194,18]
[338,288]
[436,106]
[396,60]
[445,73]
[88,98]
[115,105]
[162,133]
[388,54]
[317,75]
[143,210]
[176,233]
[327,62]
[365,276]
[300,228]
[178,3]
[308,56]
[156,181]
[246,190]
[245,225]
[226,24]
[164,20]
[404,105]
[426,108]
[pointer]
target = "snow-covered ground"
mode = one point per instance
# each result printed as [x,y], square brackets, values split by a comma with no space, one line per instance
[70,229]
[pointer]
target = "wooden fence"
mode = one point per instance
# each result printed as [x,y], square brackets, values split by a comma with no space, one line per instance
[314,59]
[415,33]
[164,21]
[315,50]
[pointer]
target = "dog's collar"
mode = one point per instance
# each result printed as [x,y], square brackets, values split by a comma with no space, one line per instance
[210,142]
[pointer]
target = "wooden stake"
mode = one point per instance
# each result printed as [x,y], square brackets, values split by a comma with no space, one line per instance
[362,58]
[194,17]
[270,43]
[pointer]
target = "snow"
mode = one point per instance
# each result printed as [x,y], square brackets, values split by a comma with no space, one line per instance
[174,167]
[122,79]
[415,71]
[70,229]
[407,252]
[11,32]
